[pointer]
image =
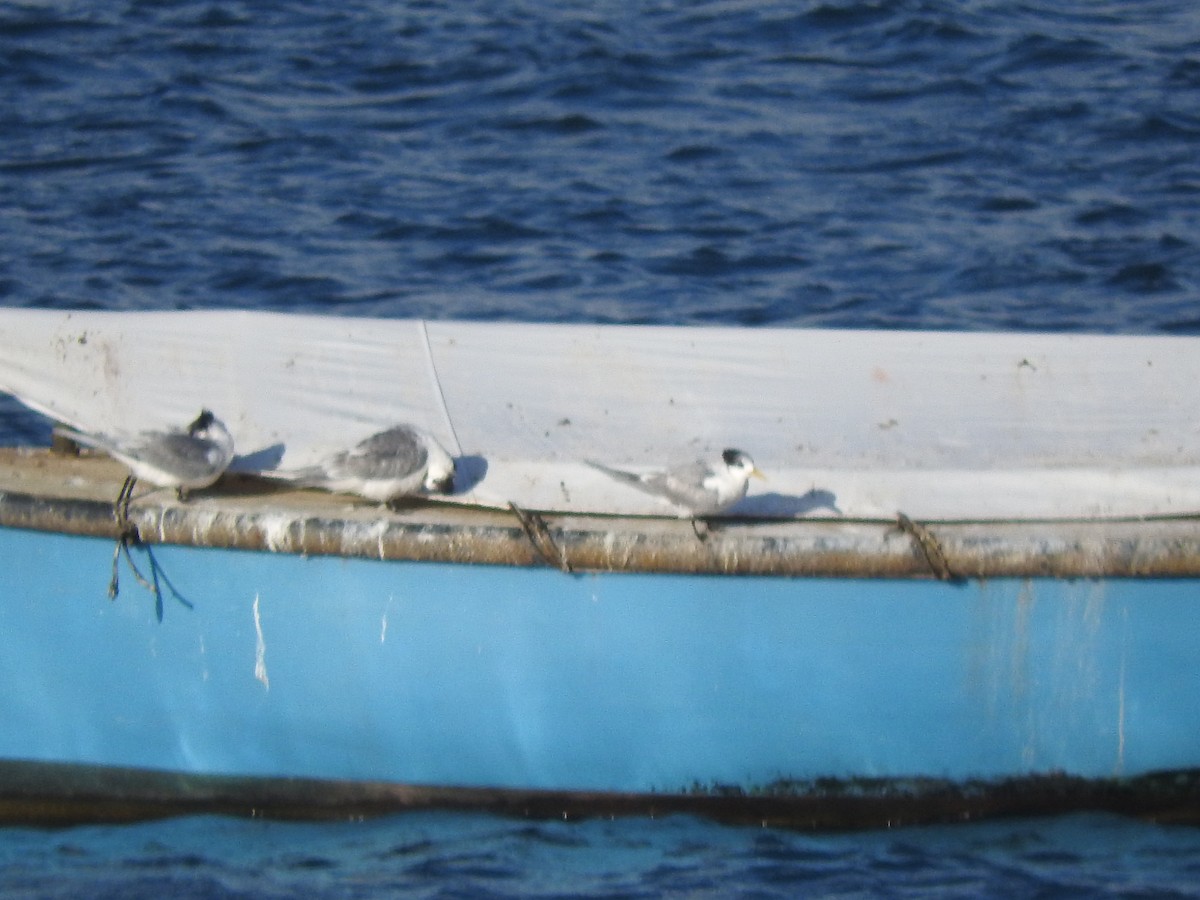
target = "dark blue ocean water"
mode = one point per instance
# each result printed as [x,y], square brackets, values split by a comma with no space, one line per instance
[961,164]
[432,855]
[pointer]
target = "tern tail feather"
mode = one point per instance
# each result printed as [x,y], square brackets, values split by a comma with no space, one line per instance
[96,442]
[627,477]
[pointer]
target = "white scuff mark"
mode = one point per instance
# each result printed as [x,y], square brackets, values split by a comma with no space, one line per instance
[203,661]
[260,649]
[383,623]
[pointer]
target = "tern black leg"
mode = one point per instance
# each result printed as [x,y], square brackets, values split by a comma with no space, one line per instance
[121,507]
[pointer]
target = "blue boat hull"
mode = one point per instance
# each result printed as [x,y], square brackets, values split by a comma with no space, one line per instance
[511,678]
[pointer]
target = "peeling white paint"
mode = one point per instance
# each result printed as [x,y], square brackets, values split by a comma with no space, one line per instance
[357,536]
[276,532]
[377,529]
[260,649]
[203,521]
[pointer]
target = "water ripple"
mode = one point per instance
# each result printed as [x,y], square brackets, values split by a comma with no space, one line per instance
[867,164]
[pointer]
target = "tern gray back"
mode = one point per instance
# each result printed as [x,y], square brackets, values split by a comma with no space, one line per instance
[395,453]
[684,485]
[180,454]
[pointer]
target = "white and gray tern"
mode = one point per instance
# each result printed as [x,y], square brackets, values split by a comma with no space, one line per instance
[696,489]
[399,462]
[184,459]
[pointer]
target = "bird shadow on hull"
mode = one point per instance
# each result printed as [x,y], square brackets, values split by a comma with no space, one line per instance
[468,472]
[263,460]
[786,506]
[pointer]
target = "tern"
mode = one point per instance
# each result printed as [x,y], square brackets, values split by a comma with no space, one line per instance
[697,489]
[184,459]
[402,461]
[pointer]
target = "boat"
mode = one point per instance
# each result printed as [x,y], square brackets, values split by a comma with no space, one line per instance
[967,588]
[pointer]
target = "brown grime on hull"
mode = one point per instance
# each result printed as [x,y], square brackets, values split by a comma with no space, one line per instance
[46,491]
[59,795]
